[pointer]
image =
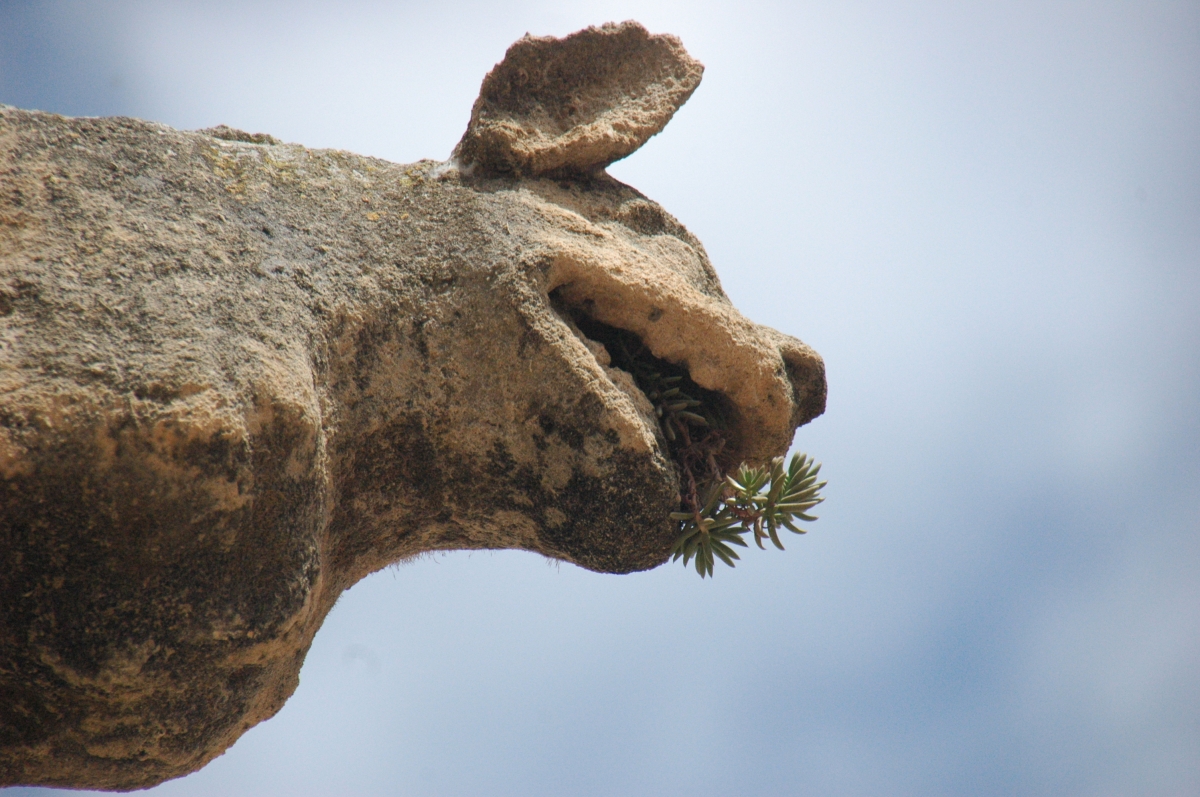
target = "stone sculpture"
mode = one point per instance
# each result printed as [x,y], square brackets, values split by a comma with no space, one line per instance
[237,376]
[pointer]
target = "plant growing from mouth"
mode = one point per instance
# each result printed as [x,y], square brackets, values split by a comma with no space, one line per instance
[717,509]
[759,500]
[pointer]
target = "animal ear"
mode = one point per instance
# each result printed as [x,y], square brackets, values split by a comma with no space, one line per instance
[574,105]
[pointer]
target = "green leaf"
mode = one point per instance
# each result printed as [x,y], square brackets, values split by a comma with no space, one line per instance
[792,509]
[774,536]
[722,524]
[788,523]
[725,553]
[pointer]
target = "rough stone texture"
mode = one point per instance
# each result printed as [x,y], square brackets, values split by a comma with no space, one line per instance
[236,376]
[575,105]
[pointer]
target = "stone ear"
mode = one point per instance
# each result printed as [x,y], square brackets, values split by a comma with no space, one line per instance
[572,106]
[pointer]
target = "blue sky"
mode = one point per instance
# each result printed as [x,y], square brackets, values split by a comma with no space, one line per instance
[985,216]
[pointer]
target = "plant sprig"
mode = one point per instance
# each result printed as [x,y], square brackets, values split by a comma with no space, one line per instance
[753,499]
[758,500]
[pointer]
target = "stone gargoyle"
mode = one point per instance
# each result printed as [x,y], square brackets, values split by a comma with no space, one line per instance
[237,376]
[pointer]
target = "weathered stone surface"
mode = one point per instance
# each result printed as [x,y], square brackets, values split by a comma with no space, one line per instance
[577,104]
[237,377]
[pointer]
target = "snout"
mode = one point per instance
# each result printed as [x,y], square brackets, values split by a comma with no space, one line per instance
[769,383]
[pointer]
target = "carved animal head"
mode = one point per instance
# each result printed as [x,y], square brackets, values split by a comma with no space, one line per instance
[239,375]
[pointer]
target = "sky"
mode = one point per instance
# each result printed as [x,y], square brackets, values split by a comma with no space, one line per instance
[986,218]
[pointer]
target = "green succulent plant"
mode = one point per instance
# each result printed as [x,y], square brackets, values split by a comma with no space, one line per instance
[758,500]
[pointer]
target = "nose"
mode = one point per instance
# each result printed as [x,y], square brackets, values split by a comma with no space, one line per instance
[805,372]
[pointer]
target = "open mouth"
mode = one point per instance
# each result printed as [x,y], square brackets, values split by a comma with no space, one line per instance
[721,498]
[696,425]
[717,397]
